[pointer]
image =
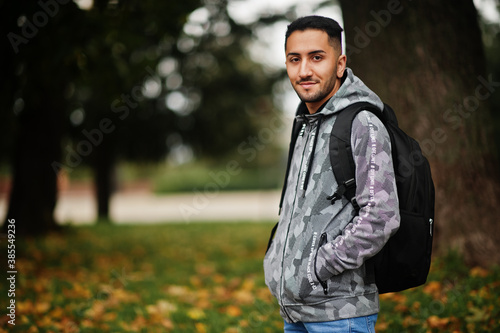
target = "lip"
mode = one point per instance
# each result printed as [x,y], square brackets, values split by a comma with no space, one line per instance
[307,85]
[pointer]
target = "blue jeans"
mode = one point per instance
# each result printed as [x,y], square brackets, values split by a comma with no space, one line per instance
[352,325]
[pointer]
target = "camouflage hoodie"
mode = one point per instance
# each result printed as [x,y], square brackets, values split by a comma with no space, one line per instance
[315,265]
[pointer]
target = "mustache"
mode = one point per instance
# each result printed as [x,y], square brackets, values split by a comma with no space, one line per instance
[307,80]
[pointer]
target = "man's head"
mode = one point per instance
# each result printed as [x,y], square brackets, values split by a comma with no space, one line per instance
[328,25]
[314,60]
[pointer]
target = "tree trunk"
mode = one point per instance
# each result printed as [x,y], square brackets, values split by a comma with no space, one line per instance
[34,188]
[426,59]
[37,71]
[103,166]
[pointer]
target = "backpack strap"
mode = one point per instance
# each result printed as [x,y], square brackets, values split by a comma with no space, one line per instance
[341,157]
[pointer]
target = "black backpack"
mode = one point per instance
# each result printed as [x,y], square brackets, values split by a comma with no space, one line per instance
[404,261]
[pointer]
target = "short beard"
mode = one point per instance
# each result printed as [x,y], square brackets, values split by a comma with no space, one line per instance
[318,96]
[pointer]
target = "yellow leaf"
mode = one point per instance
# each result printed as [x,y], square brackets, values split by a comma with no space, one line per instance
[45,321]
[264,294]
[436,322]
[410,321]
[196,314]
[96,311]
[381,325]
[33,329]
[168,324]
[196,281]
[87,323]
[42,307]
[416,306]
[232,330]
[433,288]
[476,314]
[219,278]
[478,272]
[244,297]
[138,324]
[221,293]
[165,307]
[203,304]
[395,297]
[57,313]
[178,291]
[109,316]
[205,269]
[248,284]
[386,296]
[66,325]
[401,308]
[121,295]
[200,328]
[79,291]
[233,311]
[162,307]
[24,307]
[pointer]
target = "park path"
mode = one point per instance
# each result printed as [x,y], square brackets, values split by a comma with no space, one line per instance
[142,206]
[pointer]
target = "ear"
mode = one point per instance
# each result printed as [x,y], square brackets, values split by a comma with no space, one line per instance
[341,65]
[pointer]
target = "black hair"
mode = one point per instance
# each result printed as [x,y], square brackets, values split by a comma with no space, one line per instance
[326,24]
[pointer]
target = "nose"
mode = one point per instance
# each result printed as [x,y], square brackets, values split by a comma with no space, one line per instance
[305,70]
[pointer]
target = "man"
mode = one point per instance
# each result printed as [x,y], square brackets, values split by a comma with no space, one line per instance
[315,265]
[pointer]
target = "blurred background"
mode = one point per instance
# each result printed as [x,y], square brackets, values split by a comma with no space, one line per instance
[127,111]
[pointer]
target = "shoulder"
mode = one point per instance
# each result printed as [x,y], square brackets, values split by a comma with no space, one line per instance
[366,118]
[367,126]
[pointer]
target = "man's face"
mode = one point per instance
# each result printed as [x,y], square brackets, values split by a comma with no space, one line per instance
[313,66]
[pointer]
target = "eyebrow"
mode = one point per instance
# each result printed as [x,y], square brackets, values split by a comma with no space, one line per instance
[310,53]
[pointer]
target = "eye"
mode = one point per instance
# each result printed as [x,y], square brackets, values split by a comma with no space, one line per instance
[293,59]
[317,58]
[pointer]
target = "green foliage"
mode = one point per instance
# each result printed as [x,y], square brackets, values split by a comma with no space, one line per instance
[206,278]
[125,80]
[104,57]
[196,176]
[455,299]
[204,90]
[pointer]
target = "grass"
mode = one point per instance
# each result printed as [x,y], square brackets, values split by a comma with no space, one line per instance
[204,277]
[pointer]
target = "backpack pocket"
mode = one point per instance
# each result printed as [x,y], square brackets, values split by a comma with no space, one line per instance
[405,261]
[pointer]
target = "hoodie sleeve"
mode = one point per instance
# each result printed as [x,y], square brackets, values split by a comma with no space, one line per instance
[376,195]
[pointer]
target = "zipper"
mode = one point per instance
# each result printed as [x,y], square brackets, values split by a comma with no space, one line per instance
[285,246]
[282,263]
[322,241]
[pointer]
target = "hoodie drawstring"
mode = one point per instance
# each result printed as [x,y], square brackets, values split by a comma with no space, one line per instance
[311,156]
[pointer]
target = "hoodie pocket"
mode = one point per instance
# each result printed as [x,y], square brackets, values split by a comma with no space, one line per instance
[324,284]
